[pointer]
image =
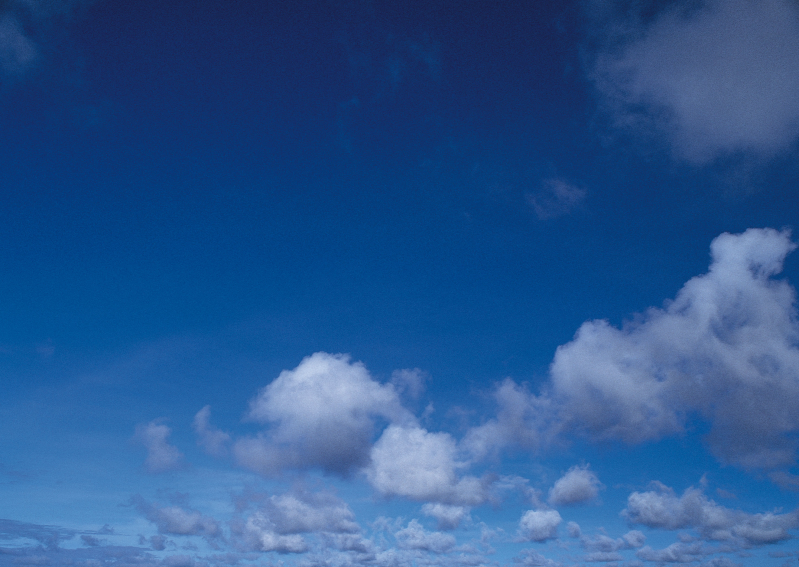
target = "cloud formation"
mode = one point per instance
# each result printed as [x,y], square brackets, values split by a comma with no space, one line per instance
[420,465]
[281,522]
[212,440]
[321,415]
[539,525]
[161,456]
[716,76]
[725,348]
[662,508]
[577,486]
[174,520]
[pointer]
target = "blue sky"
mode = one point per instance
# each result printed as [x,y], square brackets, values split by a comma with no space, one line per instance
[399,284]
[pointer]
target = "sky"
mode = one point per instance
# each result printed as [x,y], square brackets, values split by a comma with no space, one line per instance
[399,284]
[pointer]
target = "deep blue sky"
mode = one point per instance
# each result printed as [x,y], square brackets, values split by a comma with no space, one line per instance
[196,197]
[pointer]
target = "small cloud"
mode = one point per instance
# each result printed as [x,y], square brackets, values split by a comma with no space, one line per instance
[577,486]
[161,456]
[556,198]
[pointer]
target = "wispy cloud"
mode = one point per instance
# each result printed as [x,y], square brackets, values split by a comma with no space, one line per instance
[161,456]
[715,77]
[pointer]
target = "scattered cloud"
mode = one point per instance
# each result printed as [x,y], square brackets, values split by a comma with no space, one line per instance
[48,536]
[662,508]
[414,536]
[577,486]
[161,456]
[321,415]
[449,517]
[281,522]
[174,520]
[716,76]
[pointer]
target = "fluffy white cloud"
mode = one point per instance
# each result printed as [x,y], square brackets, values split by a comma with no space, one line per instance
[577,486]
[209,438]
[321,415]
[449,517]
[725,348]
[662,508]
[539,525]
[414,536]
[718,76]
[418,464]
[161,456]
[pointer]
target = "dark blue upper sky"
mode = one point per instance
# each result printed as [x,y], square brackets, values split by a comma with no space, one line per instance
[197,196]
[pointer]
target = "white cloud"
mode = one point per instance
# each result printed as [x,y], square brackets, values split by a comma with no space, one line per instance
[161,456]
[414,536]
[209,438]
[322,415]
[726,348]
[539,525]
[717,76]
[449,517]
[418,464]
[577,486]
[662,508]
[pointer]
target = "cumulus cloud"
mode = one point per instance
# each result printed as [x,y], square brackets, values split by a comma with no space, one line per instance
[449,517]
[415,537]
[161,456]
[577,486]
[321,415]
[212,440]
[717,76]
[418,464]
[725,348]
[662,508]
[539,525]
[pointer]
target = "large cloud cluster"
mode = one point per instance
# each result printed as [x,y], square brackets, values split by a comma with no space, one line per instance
[717,76]
[725,348]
